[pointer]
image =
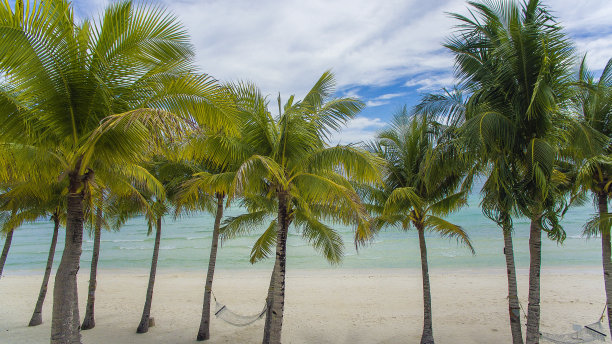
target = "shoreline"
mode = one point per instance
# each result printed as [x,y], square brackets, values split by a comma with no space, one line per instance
[561,269]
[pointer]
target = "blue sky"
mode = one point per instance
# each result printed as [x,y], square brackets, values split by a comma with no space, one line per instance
[385,52]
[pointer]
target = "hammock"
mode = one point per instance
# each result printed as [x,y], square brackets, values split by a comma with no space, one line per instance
[225,314]
[594,332]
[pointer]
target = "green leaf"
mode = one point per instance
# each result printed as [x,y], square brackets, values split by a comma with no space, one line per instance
[448,230]
[265,244]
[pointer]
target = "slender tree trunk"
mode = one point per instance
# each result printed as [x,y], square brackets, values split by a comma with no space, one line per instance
[513,300]
[5,250]
[535,262]
[89,321]
[143,327]
[427,336]
[604,229]
[204,331]
[278,300]
[269,301]
[65,322]
[37,315]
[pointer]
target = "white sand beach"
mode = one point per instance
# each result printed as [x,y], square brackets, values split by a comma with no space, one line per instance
[323,306]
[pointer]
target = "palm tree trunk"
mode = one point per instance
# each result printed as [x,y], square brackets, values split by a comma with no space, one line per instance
[5,250]
[143,327]
[427,336]
[65,321]
[89,321]
[513,301]
[535,262]
[278,299]
[269,301]
[602,202]
[37,315]
[204,331]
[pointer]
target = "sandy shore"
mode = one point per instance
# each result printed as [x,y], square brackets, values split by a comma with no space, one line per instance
[327,306]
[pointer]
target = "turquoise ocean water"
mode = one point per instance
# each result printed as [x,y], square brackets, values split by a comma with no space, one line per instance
[186,241]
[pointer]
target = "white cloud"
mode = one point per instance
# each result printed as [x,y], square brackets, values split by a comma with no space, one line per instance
[598,51]
[430,83]
[383,99]
[352,93]
[583,16]
[390,96]
[359,129]
[285,46]
[373,103]
[364,122]
[588,23]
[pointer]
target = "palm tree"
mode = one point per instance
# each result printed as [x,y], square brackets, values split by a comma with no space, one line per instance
[5,250]
[204,329]
[37,314]
[120,208]
[28,202]
[211,182]
[420,185]
[497,204]
[54,206]
[93,94]
[22,202]
[89,318]
[203,191]
[289,164]
[126,186]
[313,222]
[145,319]
[516,60]
[196,194]
[593,104]
[171,175]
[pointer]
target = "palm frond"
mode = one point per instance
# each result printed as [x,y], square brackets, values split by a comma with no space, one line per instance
[448,230]
[322,237]
[449,204]
[402,200]
[265,244]
[235,226]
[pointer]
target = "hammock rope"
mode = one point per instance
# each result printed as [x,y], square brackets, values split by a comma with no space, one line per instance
[582,334]
[603,313]
[594,332]
[233,318]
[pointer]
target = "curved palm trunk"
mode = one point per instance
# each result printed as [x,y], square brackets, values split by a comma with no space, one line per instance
[37,315]
[602,202]
[5,250]
[278,299]
[513,301]
[269,301]
[427,336]
[65,322]
[143,327]
[89,320]
[535,262]
[204,331]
